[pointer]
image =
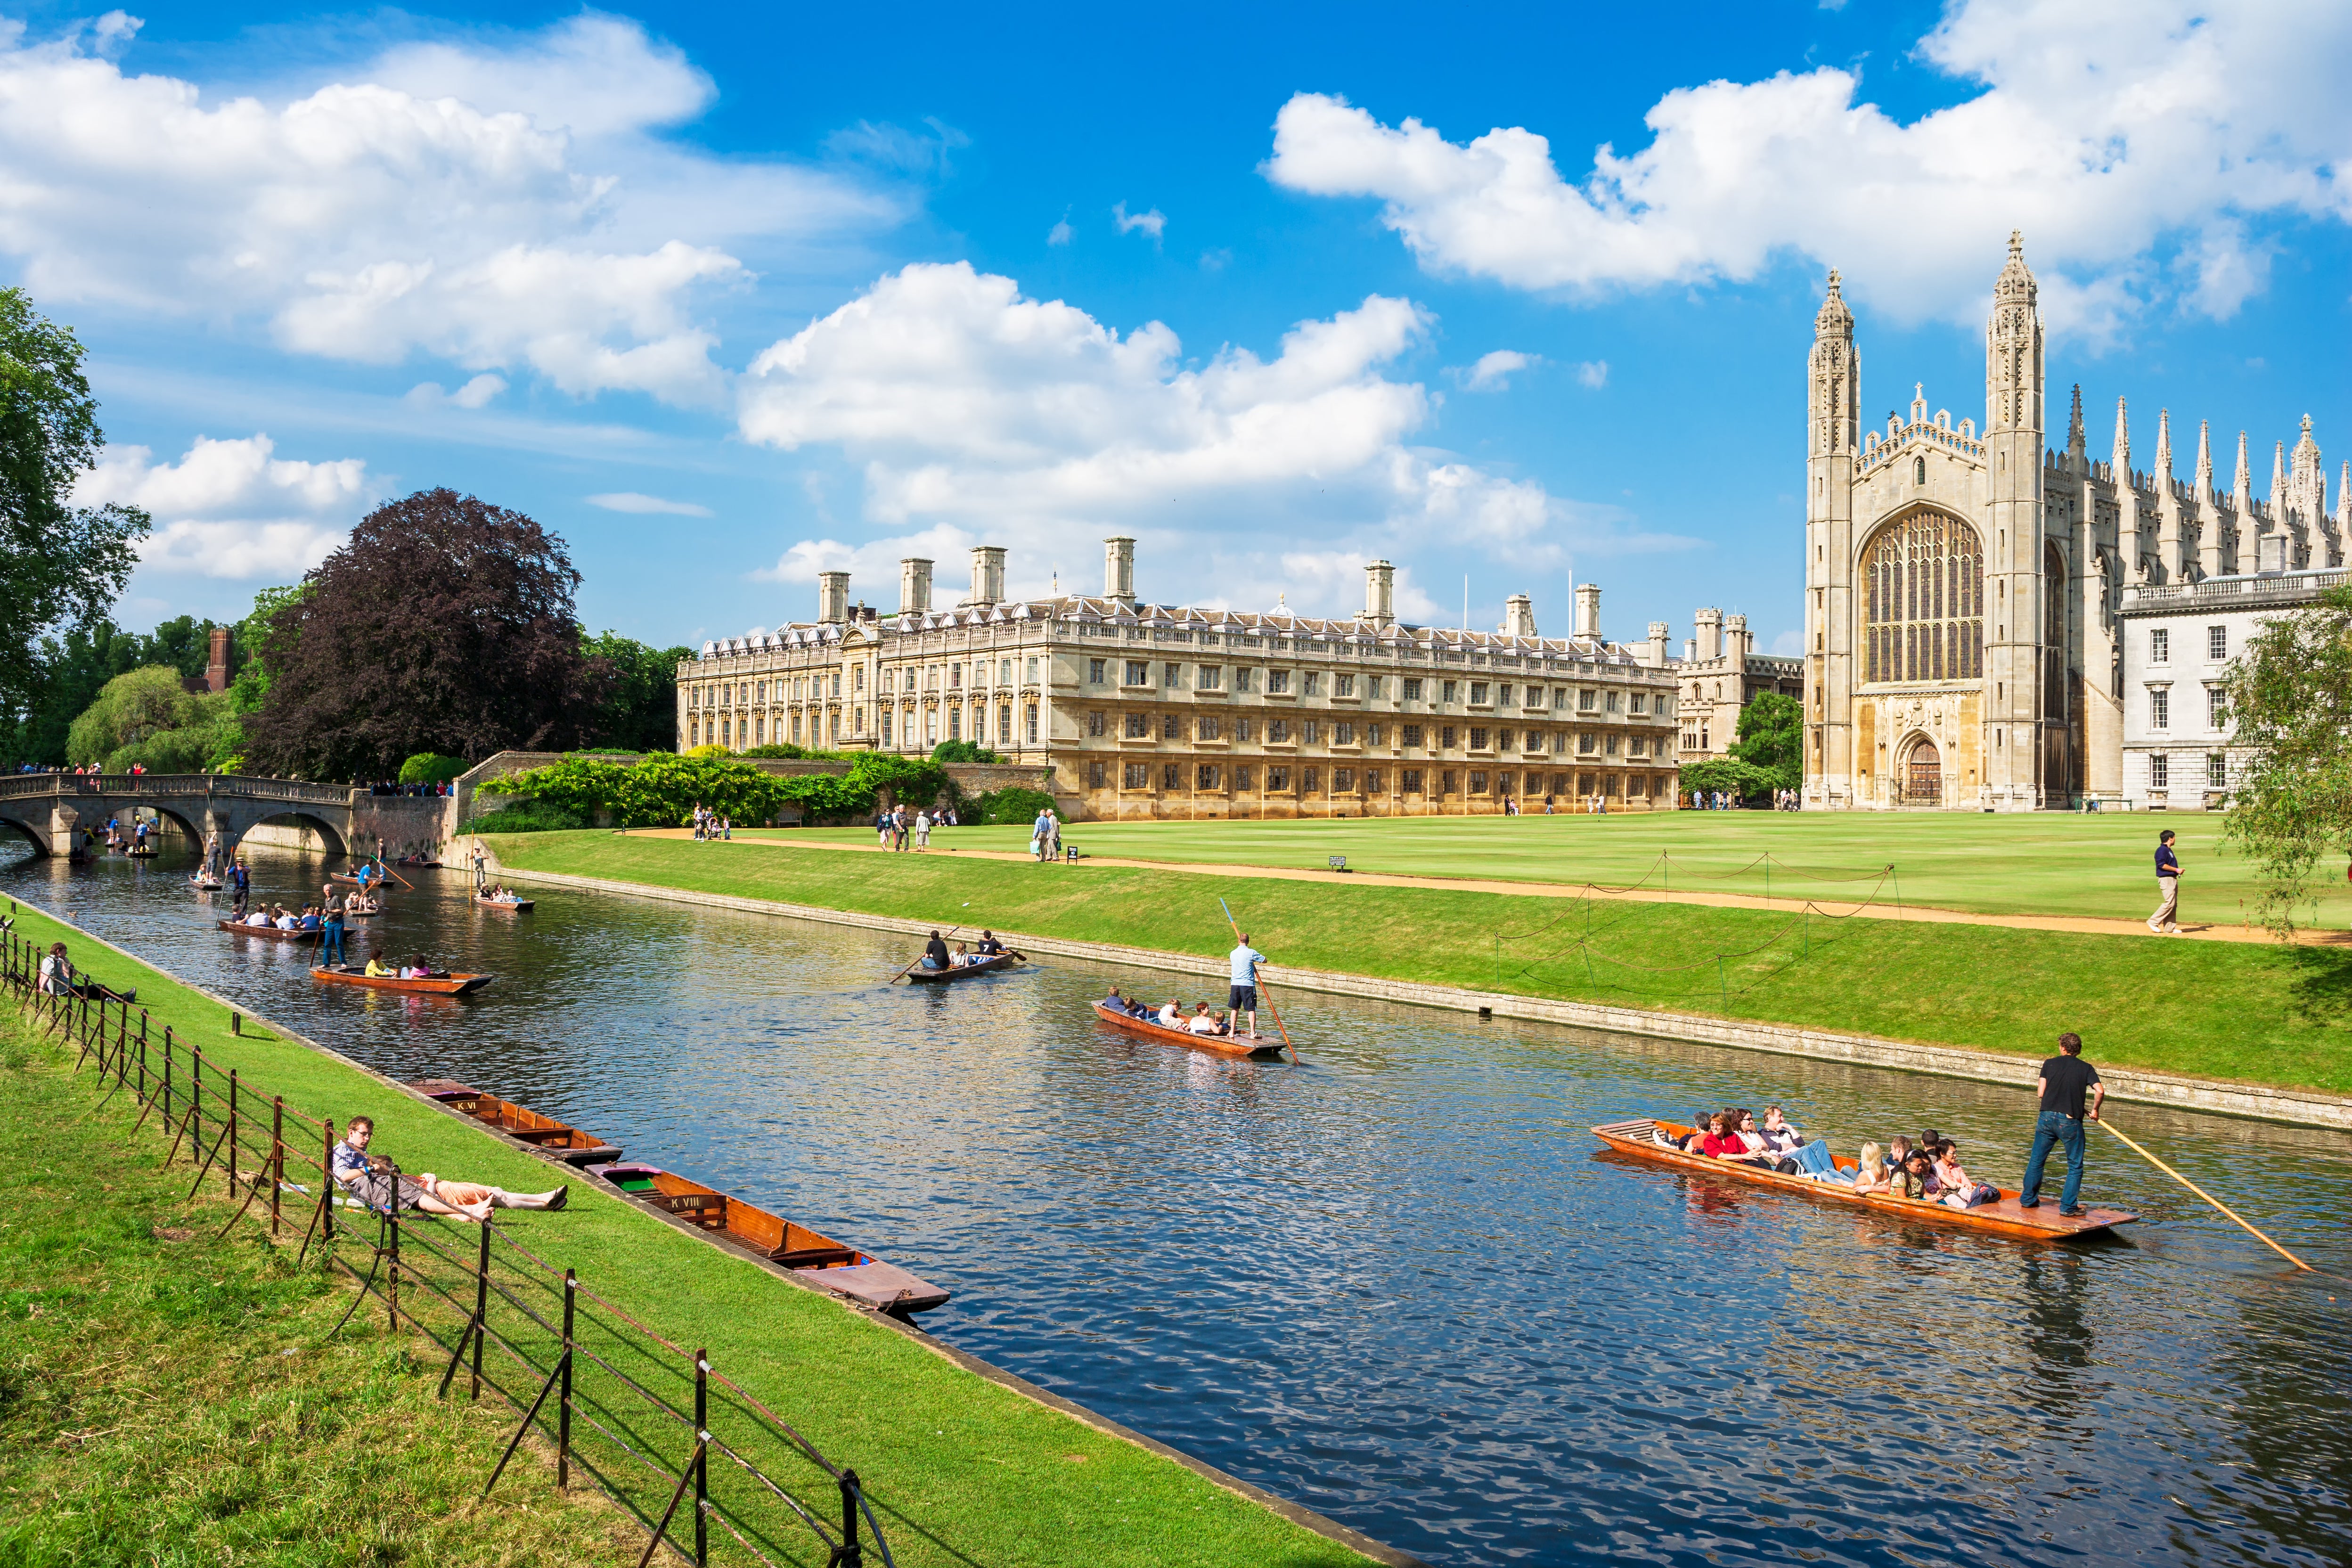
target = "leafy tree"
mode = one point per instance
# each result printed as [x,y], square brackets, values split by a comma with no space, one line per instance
[662,790]
[430,767]
[638,710]
[1771,738]
[962,752]
[58,561]
[445,625]
[2289,697]
[1742,779]
[149,718]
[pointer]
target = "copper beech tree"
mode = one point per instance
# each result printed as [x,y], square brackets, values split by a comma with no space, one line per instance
[445,625]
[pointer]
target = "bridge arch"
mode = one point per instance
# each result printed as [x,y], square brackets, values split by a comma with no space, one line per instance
[294,816]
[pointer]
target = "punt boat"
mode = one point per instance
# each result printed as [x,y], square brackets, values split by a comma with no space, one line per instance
[504,903]
[203,884]
[272,932]
[918,975]
[524,1125]
[1258,1045]
[452,984]
[817,1259]
[1642,1141]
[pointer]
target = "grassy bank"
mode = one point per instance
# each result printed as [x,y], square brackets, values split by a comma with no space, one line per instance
[2038,863]
[167,1397]
[2256,1014]
[962,1470]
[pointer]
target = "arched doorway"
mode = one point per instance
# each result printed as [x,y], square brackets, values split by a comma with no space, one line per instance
[1923,774]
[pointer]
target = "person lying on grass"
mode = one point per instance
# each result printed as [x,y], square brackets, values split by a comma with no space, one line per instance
[369,1178]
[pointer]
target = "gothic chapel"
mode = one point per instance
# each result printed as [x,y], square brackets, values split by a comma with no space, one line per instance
[1961,590]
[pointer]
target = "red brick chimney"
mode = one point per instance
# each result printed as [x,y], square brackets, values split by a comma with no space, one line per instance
[217,667]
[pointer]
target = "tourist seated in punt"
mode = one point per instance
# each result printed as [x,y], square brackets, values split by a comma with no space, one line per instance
[1870,1170]
[934,952]
[1779,1136]
[287,920]
[309,917]
[1202,1021]
[418,969]
[1171,1014]
[1723,1140]
[1115,1002]
[962,959]
[379,971]
[1899,1153]
[989,946]
[1909,1180]
[1139,1008]
[1953,1186]
[1744,1125]
[370,1178]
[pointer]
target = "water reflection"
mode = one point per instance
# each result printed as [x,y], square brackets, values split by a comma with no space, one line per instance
[1399,1284]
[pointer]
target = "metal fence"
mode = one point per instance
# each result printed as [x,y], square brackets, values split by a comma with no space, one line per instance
[641,1416]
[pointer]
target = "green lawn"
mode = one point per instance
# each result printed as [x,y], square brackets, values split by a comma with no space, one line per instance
[2041,863]
[963,1469]
[2257,1013]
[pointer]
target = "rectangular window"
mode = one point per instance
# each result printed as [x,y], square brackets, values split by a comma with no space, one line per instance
[1560,783]
[885,726]
[955,723]
[1033,723]
[1586,744]
[1608,745]
[1171,676]
[1277,681]
[2217,770]
[1412,735]
[1139,726]
[1095,773]
[1343,734]
[1412,694]
[1451,687]
[1004,672]
[1310,731]
[1137,673]
[1208,726]
[1446,738]
[2159,708]
[1376,682]
[1242,680]
[1136,776]
[1171,728]
[1478,784]
[1342,780]
[1343,686]
[1616,702]
[1093,671]
[1559,697]
[1477,692]
[1587,701]
[1243,779]
[1094,723]
[1277,780]
[1371,734]
[1205,776]
[2217,643]
[1584,784]
[1371,780]
[1032,678]
[1477,738]
[955,677]
[1310,683]
[1637,786]
[1277,730]
[2217,708]
[1244,728]
[1211,678]
[2157,770]
[2159,645]
[1309,780]
[1412,781]
[1503,694]
[1004,722]
[1641,702]
[1171,777]
[858,679]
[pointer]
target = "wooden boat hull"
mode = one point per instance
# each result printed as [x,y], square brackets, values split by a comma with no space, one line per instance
[505,904]
[270,932]
[2001,1218]
[1258,1047]
[815,1257]
[203,885]
[920,976]
[454,985]
[520,1122]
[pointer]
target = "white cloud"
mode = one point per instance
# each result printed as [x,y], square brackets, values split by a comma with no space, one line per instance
[631,501]
[505,204]
[475,394]
[1592,373]
[1493,371]
[1790,644]
[1153,222]
[1061,233]
[2105,130]
[233,509]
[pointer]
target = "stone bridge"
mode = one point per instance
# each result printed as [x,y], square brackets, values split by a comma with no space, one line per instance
[51,809]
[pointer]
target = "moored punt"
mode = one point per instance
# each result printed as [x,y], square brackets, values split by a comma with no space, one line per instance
[520,1122]
[919,975]
[2003,1218]
[451,985]
[273,932]
[1217,1045]
[815,1257]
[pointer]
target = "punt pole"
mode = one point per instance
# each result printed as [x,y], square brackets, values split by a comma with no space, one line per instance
[2208,1197]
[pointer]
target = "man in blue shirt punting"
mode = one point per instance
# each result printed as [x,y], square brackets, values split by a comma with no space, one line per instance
[1243,997]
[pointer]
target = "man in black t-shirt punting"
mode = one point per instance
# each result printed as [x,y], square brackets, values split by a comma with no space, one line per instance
[2066,1079]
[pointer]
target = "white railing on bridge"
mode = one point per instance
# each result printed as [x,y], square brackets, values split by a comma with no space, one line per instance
[183,786]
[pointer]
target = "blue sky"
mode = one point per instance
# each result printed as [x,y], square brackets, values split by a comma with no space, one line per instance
[729,297]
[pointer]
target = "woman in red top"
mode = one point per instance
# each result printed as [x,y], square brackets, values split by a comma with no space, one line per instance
[1723,1140]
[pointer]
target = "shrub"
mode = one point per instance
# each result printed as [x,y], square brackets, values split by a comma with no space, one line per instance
[662,791]
[712,750]
[962,752]
[432,768]
[1743,780]
[529,817]
[1014,804]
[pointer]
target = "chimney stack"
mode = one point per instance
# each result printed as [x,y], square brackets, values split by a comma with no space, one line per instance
[1380,593]
[832,597]
[1588,611]
[1711,634]
[987,574]
[217,661]
[1655,656]
[914,586]
[1119,569]
[1519,616]
[1735,638]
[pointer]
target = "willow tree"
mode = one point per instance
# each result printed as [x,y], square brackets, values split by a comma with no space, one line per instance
[2290,696]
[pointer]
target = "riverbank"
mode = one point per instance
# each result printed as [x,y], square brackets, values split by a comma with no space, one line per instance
[2266,1016]
[167,1390]
[963,1464]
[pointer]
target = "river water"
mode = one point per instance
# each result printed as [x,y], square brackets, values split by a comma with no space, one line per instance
[1399,1284]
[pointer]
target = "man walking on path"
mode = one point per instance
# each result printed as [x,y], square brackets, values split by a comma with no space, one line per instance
[2166,921]
[1243,997]
[1041,834]
[2065,1078]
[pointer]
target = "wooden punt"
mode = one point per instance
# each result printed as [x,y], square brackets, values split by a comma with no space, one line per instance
[920,976]
[204,884]
[453,985]
[271,932]
[1639,1139]
[504,903]
[520,1122]
[1259,1045]
[814,1256]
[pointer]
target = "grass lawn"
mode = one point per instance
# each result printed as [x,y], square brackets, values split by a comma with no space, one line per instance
[2037,863]
[2254,1013]
[962,1470]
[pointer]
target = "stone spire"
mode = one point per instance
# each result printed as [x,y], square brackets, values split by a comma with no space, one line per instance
[1836,389]
[2075,446]
[2204,461]
[2280,499]
[1833,318]
[2242,490]
[2164,449]
[2309,485]
[2013,348]
[2122,456]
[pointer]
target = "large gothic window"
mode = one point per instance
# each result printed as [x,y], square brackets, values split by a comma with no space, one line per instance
[1923,601]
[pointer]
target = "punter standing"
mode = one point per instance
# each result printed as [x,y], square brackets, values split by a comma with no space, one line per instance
[330,922]
[2065,1078]
[1243,997]
[2166,921]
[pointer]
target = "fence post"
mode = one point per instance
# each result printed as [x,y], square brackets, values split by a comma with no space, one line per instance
[392,1275]
[232,1132]
[167,1075]
[276,1158]
[143,1057]
[121,1039]
[851,1554]
[481,1307]
[563,1402]
[701,1456]
[327,1186]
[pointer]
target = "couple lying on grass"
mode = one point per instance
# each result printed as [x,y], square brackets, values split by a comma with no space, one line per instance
[1926,1170]
[369,1179]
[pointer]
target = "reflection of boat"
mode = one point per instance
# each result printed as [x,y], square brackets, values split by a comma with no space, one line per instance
[520,1122]
[270,932]
[817,1259]
[922,976]
[452,984]
[417,860]
[1639,1139]
[1219,1045]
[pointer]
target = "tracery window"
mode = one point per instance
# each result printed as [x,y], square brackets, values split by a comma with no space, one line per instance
[1923,601]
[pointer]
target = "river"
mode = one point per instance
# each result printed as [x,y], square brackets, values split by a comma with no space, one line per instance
[1399,1284]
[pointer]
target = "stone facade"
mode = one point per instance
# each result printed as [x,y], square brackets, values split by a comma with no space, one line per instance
[1144,710]
[1721,672]
[1963,594]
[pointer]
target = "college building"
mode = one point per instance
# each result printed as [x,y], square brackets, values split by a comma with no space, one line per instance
[1171,712]
[1721,673]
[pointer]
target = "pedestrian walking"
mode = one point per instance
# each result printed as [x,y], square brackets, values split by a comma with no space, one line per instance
[1053,843]
[2166,921]
[898,820]
[2065,1081]
[922,831]
[1041,834]
[882,830]
[330,923]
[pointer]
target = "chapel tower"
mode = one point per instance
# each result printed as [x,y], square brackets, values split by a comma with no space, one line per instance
[1833,421]
[2024,740]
